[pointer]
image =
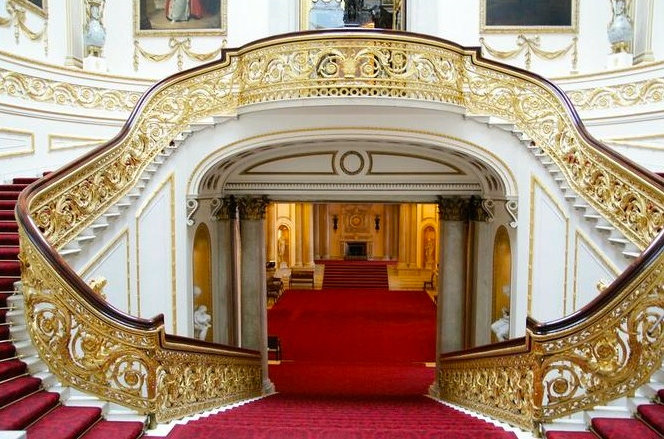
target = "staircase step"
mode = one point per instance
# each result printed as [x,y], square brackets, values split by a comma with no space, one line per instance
[616,428]
[18,388]
[114,429]
[570,435]
[652,415]
[12,368]
[65,423]
[22,413]
[8,238]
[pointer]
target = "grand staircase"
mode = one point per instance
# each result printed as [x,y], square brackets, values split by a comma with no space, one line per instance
[355,274]
[32,401]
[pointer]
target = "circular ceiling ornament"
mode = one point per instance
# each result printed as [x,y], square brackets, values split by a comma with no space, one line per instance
[351,163]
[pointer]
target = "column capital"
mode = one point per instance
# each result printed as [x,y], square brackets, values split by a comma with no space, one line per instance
[480,209]
[223,208]
[453,208]
[251,208]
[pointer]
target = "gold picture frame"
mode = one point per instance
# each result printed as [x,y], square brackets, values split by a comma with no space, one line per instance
[374,13]
[158,18]
[524,16]
[39,7]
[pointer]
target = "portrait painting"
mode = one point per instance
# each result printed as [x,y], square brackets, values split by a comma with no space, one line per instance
[179,17]
[529,15]
[331,14]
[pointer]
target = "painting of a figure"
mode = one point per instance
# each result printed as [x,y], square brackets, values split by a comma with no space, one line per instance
[326,14]
[169,17]
[536,15]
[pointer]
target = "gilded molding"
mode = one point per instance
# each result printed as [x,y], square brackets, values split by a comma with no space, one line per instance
[530,47]
[606,358]
[17,17]
[37,89]
[71,337]
[647,92]
[179,48]
[132,368]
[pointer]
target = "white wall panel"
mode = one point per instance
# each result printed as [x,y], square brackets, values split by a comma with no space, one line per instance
[548,285]
[155,256]
[590,267]
[113,264]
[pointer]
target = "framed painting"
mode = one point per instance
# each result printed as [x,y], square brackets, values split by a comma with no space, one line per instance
[510,16]
[39,7]
[179,17]
[330,14]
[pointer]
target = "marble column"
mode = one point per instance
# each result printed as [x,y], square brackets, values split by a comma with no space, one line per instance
[403,250]
[307,228]
[226,289]
[271,233]
[453,213]
[299,233]
[253,292]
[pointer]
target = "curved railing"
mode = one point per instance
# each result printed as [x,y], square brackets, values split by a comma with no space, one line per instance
[602,352]
[77,333]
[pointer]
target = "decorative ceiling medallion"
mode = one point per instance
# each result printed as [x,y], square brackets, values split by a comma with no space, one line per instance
[351,163]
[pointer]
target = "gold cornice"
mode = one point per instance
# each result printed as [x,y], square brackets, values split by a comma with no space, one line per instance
[646,92]
[49,91]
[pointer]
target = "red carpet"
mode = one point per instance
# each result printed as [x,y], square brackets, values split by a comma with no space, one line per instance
[24,404]
[296,417]
[355,325]
[351,379]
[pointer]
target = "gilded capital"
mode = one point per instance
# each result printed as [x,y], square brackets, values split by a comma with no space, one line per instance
[453,208]
[251,208]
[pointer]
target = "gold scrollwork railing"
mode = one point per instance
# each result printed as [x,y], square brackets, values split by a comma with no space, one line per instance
[603,352]
[335,64]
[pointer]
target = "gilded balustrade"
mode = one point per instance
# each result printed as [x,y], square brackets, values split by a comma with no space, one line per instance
[522,386]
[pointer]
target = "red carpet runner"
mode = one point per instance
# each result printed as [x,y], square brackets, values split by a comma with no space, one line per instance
[353,369]
[24,404]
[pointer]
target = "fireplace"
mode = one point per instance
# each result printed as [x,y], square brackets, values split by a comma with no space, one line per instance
[355,250]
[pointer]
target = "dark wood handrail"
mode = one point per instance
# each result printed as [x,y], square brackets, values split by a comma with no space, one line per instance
[35,236]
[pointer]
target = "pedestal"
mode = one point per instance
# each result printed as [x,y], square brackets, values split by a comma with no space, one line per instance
[619,60]
[95,64]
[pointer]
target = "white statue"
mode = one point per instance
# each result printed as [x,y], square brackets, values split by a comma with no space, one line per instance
[202,322]
[501,327]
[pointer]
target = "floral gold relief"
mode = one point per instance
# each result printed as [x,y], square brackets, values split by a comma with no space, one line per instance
[551,376]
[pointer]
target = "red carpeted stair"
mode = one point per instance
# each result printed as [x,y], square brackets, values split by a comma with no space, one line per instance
[355,274]
[24,403]
[647,423]
[353,368]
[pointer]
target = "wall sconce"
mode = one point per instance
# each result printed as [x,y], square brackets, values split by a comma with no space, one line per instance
[377,222]
[335,222]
